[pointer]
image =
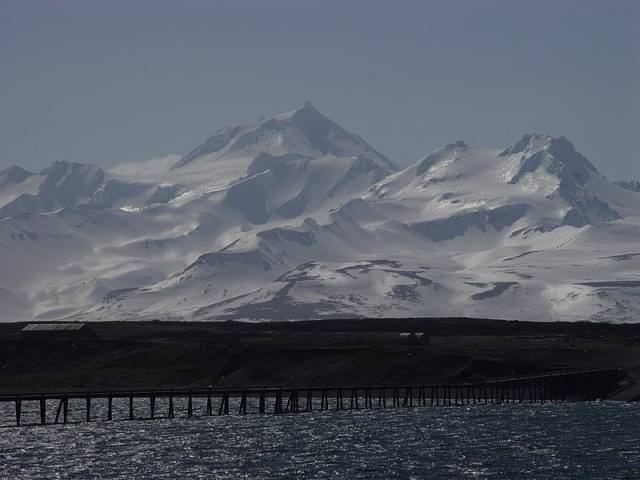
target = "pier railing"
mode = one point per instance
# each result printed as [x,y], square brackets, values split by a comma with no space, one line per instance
[223,400]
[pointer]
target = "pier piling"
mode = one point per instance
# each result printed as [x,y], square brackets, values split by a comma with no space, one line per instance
[309,406]
[277,406]
[58,411]
[18,410]
[583,385]
[43,411]
[243,404]
[171,412]
[152,406]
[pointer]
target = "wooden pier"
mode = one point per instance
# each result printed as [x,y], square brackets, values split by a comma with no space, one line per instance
[582,385]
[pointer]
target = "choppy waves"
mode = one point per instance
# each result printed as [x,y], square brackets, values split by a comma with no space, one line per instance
[569,441]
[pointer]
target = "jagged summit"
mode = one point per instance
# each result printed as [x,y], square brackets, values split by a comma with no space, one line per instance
[13,175]
[318,129]
[541,181]
[305,131]
[66,185]
[448,152]
[633,185]
[556,155]
[62,169]
[530,142]
[459,144]
[307,110]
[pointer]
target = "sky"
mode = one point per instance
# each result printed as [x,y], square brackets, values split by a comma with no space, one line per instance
[106,82]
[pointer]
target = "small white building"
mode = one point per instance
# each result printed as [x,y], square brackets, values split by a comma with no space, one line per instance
[57,331]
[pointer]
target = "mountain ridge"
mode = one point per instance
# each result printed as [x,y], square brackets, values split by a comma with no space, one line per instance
[293,217]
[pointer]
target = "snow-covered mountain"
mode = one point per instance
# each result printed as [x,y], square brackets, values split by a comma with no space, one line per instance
[633,185]
[293,217]
[64,185]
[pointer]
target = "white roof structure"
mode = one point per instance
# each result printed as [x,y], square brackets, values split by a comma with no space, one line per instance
[53,327]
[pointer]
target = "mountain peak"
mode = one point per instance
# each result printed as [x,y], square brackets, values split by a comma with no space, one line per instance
[556,154]
[308,106]
[458,145]
[532,143]
[14,174]
[529,143]
[307,109]
[633,185]
[448,151]
[309,119]
[556,157]
[305,131]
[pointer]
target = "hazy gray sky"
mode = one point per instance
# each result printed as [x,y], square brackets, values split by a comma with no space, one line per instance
[112,81]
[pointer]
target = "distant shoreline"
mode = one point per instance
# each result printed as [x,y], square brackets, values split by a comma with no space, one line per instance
[349,351]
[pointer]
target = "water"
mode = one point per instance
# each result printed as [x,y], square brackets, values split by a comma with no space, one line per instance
[551,441]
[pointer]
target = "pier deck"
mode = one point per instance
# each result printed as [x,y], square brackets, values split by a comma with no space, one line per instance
[580,385]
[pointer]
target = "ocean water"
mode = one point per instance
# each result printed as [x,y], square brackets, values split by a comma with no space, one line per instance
[542,441]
